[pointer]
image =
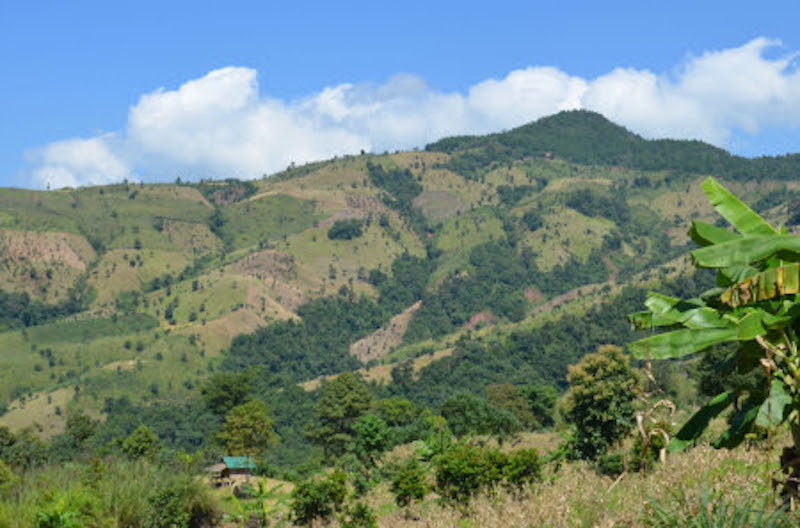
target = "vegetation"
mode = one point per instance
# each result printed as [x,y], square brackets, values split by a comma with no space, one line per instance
[754,306]
[600,401]
[421,344]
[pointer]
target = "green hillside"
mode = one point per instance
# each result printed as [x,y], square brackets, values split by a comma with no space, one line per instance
[511,242]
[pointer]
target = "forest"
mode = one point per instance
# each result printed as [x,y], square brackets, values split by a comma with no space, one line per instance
[537,316]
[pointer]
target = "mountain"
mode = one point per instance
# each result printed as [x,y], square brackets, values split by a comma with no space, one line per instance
[472,261]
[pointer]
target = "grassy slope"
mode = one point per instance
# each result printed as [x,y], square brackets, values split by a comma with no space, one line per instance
[272,254]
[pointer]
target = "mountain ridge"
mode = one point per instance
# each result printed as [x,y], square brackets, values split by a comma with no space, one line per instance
[481,232]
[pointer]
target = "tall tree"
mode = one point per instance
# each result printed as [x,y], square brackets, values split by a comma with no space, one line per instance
[600,400]
[343,401]
[247,429]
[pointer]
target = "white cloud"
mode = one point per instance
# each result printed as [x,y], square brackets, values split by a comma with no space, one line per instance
[74,162]
[221,125]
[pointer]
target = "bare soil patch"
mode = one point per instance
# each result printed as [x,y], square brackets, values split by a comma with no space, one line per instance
[382,341]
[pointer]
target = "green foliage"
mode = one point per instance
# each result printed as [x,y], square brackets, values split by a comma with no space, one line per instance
[409,483]
[359,515]
[509,195]
[346,229]
[7,477]
[600,401]
[464,470]
[609,204]
[542,400]
[222,391]
[318,498]
[522,468]
[18,310]
[57,516]
[372,438]
[467,414]
[287,351]
[343,401]
[141,443]
[26,451]
[508,397]
[247,429]
[180,503]
[401,188]
[532,220]
[567,134]
[717,510]
[221,193]
[754,307]
[181,427]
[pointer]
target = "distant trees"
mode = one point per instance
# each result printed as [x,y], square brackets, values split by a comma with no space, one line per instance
[346,229]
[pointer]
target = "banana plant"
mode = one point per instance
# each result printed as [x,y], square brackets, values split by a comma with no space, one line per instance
[754,305]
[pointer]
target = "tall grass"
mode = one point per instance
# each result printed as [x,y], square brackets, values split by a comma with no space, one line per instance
[109,493]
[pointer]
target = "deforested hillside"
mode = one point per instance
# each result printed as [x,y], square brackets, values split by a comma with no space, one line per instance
[518,251]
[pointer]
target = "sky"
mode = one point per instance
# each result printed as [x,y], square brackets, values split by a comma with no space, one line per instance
[99,92]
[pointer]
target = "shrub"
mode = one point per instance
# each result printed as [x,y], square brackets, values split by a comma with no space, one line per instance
[180,503]
[523,467]
[358,516]
[409,483]
[346,229]
[318,499]
[463,470]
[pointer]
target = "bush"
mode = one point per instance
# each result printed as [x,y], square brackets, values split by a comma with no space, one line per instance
[464,470]
[318,499]
[346,229]
[358,516]
[180,503]
[523,467]
[409,483]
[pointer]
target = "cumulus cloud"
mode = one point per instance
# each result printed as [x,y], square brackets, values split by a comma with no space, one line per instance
[74,162]
[220,125]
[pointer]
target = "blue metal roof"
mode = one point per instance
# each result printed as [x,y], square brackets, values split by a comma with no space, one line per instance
[239,462]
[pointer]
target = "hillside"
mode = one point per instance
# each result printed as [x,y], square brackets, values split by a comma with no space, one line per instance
[481,254]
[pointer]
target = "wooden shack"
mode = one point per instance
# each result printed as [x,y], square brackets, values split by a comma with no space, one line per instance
[224,473]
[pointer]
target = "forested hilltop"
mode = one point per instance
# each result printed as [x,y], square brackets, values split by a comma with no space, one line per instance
[350,307]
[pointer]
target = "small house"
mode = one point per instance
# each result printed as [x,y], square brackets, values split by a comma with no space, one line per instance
[224,473]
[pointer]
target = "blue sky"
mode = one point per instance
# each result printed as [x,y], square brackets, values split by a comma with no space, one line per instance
[94,92]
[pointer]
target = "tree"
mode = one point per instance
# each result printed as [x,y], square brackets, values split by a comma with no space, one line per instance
[600,400]
[343,400]
[79,427]
[318,498]
[346,229]
[469,414]
[508,397]
[225,391]
[141,443]
[409,483]
[247,429]
[372,438]
[755,307]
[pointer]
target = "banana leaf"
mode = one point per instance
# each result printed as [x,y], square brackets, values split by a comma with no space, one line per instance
[772,411]
[687,313]
[740,216]
[692,430]
[741,423]
[768,284]
[745,251]
[704,234]
[679,343]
